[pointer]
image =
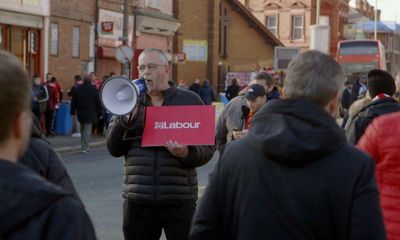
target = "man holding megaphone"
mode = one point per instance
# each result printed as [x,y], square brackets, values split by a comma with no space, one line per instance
[160,183]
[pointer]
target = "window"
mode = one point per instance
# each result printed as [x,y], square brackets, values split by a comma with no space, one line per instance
[3,38]
[153,4]
[297,27]
[271,24]
[75,42]
[223,31]
[54,39]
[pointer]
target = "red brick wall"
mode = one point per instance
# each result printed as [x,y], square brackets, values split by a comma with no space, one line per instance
[69,14]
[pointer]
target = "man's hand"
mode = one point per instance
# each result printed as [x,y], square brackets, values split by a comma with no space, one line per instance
[240,134]
[176,149]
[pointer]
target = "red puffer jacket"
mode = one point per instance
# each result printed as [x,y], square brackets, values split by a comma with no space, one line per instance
[382,141]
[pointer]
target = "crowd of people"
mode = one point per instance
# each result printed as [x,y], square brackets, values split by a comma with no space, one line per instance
[88,115]
[286,168]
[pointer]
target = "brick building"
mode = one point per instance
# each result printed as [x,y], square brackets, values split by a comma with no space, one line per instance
[151,21]
[290,20]
[71,39]
[110,13]
[217,37]
[155,28]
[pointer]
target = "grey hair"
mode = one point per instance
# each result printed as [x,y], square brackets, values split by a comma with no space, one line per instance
[315,76]
[161,53]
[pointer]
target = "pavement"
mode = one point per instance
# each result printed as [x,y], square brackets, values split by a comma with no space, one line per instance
[72,143]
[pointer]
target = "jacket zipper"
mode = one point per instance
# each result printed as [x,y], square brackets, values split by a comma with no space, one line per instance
[156,186]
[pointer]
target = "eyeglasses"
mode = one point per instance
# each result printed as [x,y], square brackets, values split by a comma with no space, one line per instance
[151,67]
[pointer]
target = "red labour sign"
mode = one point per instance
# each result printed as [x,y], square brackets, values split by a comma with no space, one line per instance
[188,125]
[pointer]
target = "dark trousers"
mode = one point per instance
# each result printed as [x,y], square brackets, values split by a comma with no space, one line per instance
[146,221]
[49,115]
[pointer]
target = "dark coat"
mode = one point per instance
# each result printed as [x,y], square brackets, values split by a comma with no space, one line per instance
[367,114]
[207,94]
[273,94]
[292,177]
[32,208]
[42,159]
[152,174]
[86,102]
[195,87]
[232,91]
[346,100]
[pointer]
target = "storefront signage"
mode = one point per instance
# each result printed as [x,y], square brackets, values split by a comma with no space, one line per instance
[107,28]
[110,39]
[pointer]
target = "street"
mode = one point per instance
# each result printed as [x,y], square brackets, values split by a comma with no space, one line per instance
[98,179]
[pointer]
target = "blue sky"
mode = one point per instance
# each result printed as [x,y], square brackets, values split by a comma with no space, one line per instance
[390,9]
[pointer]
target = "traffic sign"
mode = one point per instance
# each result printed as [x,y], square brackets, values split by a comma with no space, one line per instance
[124,54]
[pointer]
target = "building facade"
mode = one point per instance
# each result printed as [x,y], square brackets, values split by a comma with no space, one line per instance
[110,18]
[290,20]
[363,12]
[155,27]
[217,37]
[151,25]
[24,32]
[71,39]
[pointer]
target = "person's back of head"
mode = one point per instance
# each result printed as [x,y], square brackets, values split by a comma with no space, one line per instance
[264,79]
[31,207]
[77,78]
[15,91]
[87,80]
[314,76]
[235,81]
[380,82]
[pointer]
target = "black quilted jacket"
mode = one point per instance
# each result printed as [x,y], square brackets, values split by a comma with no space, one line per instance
[152,175]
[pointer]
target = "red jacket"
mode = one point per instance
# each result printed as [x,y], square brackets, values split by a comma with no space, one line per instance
[382,141]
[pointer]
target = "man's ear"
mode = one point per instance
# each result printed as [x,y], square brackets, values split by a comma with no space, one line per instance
[283,93]
[333,105]
[167,68]
[17,130]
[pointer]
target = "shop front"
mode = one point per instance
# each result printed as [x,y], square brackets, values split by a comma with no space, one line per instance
[110,27]
[24,43]
[23,31]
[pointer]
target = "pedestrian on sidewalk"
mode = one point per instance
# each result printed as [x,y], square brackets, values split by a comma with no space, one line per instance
[85,104]
[233,89]
[294,176]
[52,105]
[207,93]
[381,87]
[195,87]
[160,183]
[40,98]
[31,207]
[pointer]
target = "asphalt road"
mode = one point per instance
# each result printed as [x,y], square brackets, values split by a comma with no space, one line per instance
[98,179]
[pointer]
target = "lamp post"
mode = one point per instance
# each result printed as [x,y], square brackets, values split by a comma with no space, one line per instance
[318,11]
[125,38]
[376,19]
